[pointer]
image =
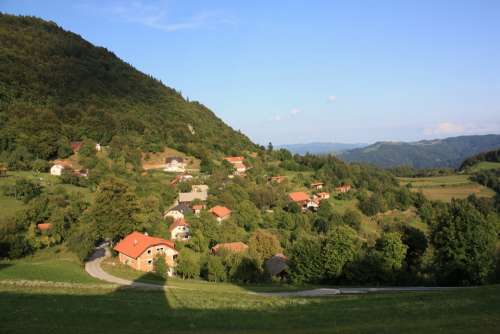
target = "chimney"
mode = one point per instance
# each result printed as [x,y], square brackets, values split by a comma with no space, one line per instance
[146,234]
[135,242]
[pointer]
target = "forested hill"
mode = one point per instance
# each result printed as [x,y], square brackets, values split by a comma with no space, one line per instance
[56,87]
[449,152]
[490,156]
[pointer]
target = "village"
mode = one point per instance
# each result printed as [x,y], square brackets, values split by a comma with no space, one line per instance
[138,250]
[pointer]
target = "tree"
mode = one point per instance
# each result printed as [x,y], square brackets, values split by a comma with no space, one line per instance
[306,261]
[263,245]
[188,264]
[464,242]
[160,265]
[339,249]
[352,218]
[115,210]
[24,190]
[389,255]
[247,215]
[215,269]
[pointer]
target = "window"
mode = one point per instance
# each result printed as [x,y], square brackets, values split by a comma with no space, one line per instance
[149,251]
[150,261]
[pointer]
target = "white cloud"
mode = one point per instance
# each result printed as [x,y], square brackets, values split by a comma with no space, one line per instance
[277,118]
[156,14]
[445,128]
[295,111]
[332,98]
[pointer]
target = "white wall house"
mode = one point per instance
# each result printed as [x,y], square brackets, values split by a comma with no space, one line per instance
[175,165]
[56,170]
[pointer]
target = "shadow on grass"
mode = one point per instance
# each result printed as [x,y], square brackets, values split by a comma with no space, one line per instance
[5,265]
[153,310]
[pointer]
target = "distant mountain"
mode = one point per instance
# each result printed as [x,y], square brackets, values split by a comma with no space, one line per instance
[320,148]
[449,152]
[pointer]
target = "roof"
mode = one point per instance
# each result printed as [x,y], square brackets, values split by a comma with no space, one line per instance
[134,244]
[198,207]
[182,208]
[298,196]
[323,194]
[234,159]
[276,264]
[76,145]
[178,222]
[171,159]
[191,196]
[236,247]
[220,211]
[44,226]
[316,184]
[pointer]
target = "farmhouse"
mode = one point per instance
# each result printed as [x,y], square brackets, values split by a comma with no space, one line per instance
[198,192]
[220,212]
[323,195]
[343,188]
[178,212]
[299,197]
[179,230]
[233,247]
[43,227]
[175,165]
[277,265]
[138,251]
[317,185]
[237,162]
[57,169]
[197,208]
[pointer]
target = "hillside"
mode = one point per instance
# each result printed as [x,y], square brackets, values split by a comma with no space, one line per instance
[485,160]
[62,88]
[449,152]
[320,148]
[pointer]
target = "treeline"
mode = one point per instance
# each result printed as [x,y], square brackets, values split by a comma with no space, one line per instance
[407,171]
[491,156]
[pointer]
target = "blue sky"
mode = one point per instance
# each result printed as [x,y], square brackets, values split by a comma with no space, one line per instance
[303,71]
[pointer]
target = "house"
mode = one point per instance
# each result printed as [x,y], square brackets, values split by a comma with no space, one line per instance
[239,166]
[138,251]
[178,212]
[3,170]
[233,247]
[312,205]
[299,197]
[98,147]
[199,191]
[197,208]
[277,179]
[323,195]
[76,146]
[43,227]
[179,230]
[317,185]
[175,165]
[57,169]
[343,188]
[277,265]
[220,212]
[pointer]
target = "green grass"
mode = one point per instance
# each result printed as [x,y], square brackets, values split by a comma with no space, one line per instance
[51,264]
[445,188]
[484,165]
[203,309]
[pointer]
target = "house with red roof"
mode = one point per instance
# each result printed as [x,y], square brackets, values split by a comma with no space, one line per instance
[323,195]
[317,185]
[345,188]
[43,227]
[138,251]
[233,247]
[299,197]
[239,166]
[220,212]
[179,230]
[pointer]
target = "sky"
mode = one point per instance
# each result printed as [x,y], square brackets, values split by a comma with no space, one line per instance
[307,71]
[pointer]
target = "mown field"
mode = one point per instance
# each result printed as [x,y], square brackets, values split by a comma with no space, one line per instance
[445,188]
[484,165]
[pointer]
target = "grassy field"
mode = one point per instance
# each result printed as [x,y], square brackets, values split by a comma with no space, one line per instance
[9,206]
[205,309]
[52,264]
[484,165]
[445,188]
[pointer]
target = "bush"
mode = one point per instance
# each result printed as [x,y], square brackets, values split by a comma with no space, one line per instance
[215,269]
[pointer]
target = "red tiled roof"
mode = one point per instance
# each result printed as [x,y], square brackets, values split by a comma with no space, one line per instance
[236,247]
[44,226]
[234,159]
[220,211]
[76,145]
[197,207]
[323,194]
[136,243]
[298,196]
[178,222]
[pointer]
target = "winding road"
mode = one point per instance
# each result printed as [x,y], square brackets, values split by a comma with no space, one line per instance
[93,268]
